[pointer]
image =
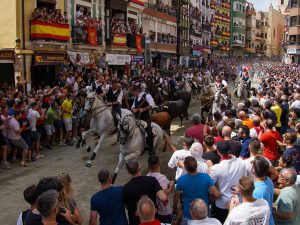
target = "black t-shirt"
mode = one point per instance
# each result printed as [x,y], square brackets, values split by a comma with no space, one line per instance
[134,190]
[33,219]
[235,148]
[213,156]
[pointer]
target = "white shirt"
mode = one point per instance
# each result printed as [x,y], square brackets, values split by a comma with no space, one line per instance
[32,118]
[253,133]
[206,221]
[149,100]
[257,213]
[249,164]
[20,222]
[226,175]
[178,155]
[296,104]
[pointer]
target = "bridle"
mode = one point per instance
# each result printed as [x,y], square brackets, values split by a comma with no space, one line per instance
[128,133]
[92,100]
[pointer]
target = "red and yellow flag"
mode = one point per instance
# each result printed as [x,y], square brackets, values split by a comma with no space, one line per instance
[139,43]
[44,30]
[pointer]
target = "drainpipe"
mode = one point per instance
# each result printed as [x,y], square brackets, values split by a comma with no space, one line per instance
[23,43]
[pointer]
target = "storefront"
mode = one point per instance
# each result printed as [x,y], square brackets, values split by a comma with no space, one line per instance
[45,67]
[293,55]
[7,67]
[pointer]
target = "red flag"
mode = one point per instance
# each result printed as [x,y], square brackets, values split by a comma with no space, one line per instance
[138,43]
[92,36]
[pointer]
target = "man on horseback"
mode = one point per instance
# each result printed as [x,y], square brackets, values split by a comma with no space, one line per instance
[141,107]
[114,98]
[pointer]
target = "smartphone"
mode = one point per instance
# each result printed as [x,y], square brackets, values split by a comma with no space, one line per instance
[62,210]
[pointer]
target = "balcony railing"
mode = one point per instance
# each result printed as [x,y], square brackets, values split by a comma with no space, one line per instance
[169,10]
[86,35]
[162,38]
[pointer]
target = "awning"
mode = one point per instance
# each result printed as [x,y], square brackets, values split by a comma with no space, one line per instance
[7,56]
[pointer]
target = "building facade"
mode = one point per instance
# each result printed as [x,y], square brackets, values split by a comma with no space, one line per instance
[250,42]
[292,32]
[220,22]
[238,27]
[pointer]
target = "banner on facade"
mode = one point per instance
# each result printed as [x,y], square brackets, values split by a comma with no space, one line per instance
[7,56]
[53,31]
[137,58]
[120,40]
[48,58]
[139,43]
[115,59]
[140,2]
[92,36]
[85,58]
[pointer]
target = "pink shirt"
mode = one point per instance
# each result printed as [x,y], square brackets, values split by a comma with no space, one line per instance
[196,132]
[14,126]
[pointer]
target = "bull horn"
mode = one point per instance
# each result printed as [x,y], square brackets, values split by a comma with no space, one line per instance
[165,107]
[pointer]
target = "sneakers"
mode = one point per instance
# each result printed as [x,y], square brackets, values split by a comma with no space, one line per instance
[48,147]
[61,143]
[24,164]
[39,156]
[5,165]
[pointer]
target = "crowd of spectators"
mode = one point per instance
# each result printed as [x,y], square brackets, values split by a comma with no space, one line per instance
[161,7]
[121,27]
[50,16]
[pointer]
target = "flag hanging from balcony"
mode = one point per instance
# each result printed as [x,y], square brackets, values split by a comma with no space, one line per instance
[92,36]
[140,2]
[52,31]
[139,43]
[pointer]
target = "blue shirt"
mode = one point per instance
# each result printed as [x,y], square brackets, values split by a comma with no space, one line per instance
[245,148]
[193,186]
[110,207]
[265,190]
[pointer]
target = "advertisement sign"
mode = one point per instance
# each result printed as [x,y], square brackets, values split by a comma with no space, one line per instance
[54,31]
[85,58]
[293,51]
[120,40]
[140,2]
[48,58]
[137,58]
[114,59]
[7,56]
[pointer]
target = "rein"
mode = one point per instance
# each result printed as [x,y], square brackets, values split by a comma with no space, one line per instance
[99,107]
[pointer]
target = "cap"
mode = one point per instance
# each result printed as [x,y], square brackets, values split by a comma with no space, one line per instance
[223,147]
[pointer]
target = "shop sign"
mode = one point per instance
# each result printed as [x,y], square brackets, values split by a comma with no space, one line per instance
[7,56]
[293,51]
[48,58]
[84,57]
[114,59]
[137,58]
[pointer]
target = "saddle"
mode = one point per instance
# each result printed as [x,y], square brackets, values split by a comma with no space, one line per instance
[142,125]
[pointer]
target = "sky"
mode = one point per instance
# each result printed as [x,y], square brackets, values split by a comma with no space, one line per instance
[263,5]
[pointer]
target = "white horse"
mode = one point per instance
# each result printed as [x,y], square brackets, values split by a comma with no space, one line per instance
[102,122]
[242,90]
[132,140]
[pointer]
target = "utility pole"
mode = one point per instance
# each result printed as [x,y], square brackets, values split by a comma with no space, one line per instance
[23,44]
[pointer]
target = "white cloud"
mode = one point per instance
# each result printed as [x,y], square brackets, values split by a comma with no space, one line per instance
[263,5]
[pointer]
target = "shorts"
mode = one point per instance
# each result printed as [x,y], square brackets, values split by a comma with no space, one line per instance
[49,128]
[58,124]
[68,124]
[74,122]
[3,140]
[35,136]
[20,143]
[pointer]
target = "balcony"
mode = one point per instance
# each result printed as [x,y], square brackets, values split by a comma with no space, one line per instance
[206,27]
[86,35]
[161,11]
[195,13]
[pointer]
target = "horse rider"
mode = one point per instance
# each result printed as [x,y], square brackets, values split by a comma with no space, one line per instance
[221,84]
[141,107]
[114,98]
[100,86]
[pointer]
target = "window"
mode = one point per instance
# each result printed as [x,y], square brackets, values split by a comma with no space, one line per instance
[243,9]
[50,5]
[293,21]
[282,2]
[266,35]
[240,37]
[265,47]
[243,38]
[274,33]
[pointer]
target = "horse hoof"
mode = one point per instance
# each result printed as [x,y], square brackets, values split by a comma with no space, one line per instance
[88,149]
[114,177]
[88,164]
